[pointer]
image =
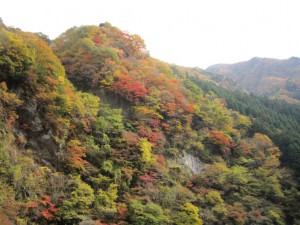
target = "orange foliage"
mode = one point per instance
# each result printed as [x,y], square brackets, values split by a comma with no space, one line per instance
[259,214]
[219,139]
[166,126]
[189,108]
[48,207]
[160,159]
[238,216]
[10,121]
[46,214]
[52,82]
[45,200]
[31,204]
[86,125]
[74,154]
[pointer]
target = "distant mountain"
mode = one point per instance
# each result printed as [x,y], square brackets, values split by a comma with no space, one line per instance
[264,76]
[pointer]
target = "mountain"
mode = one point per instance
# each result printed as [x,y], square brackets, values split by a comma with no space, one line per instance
[264,76]
[95,131]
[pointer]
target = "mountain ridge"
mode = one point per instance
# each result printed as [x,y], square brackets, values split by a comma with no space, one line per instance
[274,78]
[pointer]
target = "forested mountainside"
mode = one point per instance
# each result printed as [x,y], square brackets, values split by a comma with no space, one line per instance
[264,76]
[98,132]
[278,119]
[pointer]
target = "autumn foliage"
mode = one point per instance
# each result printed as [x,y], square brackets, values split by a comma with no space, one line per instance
[129,88]
[94,130]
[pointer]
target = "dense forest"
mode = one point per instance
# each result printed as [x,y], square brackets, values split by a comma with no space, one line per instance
[278,119]
[95,131]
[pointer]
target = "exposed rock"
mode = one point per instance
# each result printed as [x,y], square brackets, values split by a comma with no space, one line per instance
[192,162]
[30,114]
[48,165]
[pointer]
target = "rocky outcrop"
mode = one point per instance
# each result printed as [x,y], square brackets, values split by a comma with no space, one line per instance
[37,137]
[192,162]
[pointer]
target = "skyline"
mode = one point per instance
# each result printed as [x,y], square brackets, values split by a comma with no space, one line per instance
[185,32]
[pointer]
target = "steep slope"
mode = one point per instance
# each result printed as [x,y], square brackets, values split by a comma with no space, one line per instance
[277,118]
[42,117]
[264,76]
[171,113]
[151,150]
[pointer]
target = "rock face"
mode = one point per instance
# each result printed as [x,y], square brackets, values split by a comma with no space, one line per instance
[193,163]
[38,138]
[31,115]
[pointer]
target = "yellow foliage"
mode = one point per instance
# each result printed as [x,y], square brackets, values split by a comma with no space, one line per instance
[188,215]
[146,149]
[143,111]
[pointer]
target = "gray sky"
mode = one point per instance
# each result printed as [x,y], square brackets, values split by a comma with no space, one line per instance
[186,32]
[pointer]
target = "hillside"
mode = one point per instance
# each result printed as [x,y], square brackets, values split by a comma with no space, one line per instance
[95,131]
[278,119]
[264,76]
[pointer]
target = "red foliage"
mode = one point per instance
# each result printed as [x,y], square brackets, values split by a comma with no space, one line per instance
[97,40]
[131,89]
[143,133]
[154,123]
[153,136]
[148,179]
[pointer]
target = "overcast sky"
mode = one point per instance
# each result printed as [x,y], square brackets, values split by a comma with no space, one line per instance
[186,32]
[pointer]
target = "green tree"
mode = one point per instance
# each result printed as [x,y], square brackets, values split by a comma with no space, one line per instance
[105,202]
[80,199]
[140,214]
